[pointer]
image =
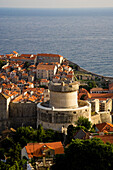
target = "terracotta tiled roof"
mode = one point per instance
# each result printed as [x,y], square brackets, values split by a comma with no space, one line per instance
[24,74]
[111,86]
[44,80]
[84,92]
[49,55]
[23,58]
[14,71]
[101,95]
[100,126]
[3,77]
[32,66]
[105,138]
[56,77]
[9,55]
[103,126]
[26,55]
[97,89]
[17,99]
[21,81]
[45,67]
[15,52]
[69,76]
[5,96]
[35,149]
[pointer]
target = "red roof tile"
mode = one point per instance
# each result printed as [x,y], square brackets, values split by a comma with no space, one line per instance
[104,126]
[34,149]
[105,138]
[49,55]
[45,67]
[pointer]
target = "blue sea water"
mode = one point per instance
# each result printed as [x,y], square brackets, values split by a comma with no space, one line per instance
[84,36]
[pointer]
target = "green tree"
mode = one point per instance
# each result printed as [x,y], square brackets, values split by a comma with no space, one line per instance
[86,154]
[40,133]
[70,133]
[15,166]
[82,121]
[14,154]
[24,135]
[91,84]
[53,136]
[4,166]
[49,135]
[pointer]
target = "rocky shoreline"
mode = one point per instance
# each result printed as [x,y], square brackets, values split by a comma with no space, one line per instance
[78,68]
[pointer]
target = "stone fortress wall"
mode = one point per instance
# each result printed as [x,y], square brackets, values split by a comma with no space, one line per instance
[23,114]
[101,117]
[57,118]
[63,108]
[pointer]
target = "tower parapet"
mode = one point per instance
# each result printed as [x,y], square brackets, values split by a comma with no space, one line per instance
[64,87]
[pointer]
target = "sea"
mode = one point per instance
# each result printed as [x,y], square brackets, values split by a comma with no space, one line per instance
[84,36]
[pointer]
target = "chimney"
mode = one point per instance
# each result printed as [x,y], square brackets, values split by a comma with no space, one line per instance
[44,159]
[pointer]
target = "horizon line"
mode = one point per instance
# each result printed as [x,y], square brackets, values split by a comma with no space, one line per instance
[56,8]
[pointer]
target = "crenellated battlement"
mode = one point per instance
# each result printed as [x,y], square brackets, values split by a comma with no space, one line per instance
[64,87]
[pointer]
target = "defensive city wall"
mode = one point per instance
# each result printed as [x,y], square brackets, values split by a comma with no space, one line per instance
[23,114]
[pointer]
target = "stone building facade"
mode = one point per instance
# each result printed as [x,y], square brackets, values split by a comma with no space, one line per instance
[48,58]
[45,71]
[102,110]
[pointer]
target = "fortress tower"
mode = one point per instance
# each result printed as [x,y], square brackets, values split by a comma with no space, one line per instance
[63,95]
[63,108]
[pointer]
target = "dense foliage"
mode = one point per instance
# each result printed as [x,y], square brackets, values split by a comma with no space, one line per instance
[91,84]
[88,154]
[26,135]
[82,121]
[11,146]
